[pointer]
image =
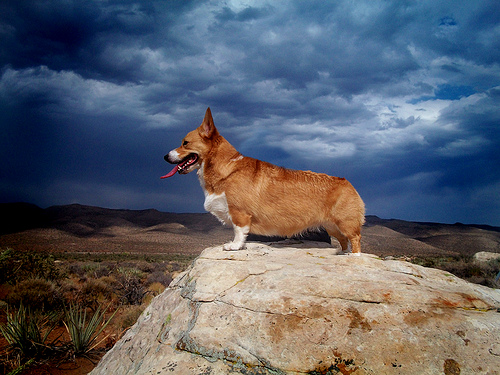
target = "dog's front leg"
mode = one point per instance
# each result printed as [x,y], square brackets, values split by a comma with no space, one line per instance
[241,225]
[240,236]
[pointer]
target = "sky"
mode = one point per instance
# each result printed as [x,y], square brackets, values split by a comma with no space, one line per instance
[402,98]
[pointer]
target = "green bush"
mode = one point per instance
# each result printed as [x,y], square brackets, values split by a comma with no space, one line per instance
[20,265]
[130,271]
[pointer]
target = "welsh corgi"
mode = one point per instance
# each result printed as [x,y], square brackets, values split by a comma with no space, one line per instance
[260,198]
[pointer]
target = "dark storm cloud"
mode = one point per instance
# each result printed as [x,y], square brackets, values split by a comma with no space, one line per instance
[399,97]
[88,37]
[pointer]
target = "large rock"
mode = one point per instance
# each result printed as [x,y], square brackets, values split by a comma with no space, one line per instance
[485,256]
[298,308]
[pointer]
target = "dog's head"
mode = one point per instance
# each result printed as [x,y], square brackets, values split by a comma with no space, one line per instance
[194,147]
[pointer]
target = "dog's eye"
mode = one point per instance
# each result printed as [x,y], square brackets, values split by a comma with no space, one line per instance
[185,143]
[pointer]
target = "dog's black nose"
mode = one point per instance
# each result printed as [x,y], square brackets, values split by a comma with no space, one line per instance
[166,158]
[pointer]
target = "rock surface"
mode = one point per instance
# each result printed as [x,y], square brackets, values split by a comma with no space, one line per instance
[298,308]
[485,256]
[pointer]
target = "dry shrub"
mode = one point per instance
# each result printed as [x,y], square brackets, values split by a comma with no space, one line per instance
[37,294]
[159,267]
[145,267]
[76,269]
[131,290]
[159,277]
[95,292]
[466,268]
[102,271]
[174,267]
[156,289]
[130,271]
[90,269]
[483,273]
[111,266]
[129,316]
[70,289]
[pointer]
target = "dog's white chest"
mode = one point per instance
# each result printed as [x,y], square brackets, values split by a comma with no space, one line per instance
[216,204]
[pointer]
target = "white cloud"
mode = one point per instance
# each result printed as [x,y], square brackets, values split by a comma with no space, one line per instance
[313,149]
[67,94]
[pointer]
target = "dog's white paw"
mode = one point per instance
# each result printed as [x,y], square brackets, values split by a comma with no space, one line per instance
[350,254]
[232,246]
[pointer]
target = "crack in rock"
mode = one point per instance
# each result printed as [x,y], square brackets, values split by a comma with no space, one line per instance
[188,344]
[232,357]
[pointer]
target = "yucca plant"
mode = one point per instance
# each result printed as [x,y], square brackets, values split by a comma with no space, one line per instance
[84,330]
[18,369]
[27,330]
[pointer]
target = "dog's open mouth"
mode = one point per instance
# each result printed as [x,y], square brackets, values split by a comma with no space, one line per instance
[183,166]
[186,163]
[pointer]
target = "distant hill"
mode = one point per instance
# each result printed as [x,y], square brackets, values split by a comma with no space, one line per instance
[456,238]
[79,228]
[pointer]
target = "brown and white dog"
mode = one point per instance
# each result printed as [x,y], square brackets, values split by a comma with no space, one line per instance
[257,197]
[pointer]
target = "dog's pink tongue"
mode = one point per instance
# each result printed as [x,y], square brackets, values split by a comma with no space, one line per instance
[171,173]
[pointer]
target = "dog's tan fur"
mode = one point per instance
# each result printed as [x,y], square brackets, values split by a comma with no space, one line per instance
[261,198]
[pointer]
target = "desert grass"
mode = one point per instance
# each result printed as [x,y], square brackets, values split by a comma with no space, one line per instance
[69,290]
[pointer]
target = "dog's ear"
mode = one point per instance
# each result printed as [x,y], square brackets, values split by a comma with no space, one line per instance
[207,127]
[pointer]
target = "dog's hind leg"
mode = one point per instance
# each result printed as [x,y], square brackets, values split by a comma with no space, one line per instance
[334,232]
[356,244]
[354,239]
